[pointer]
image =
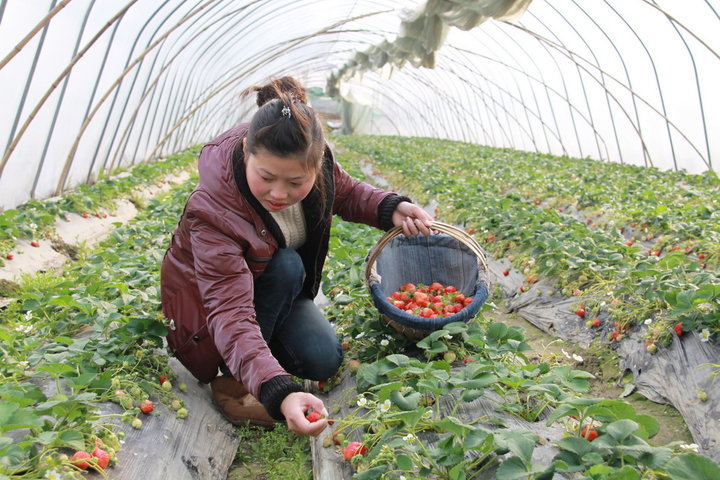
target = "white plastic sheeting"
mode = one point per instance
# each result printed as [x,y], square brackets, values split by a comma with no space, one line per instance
[92,85]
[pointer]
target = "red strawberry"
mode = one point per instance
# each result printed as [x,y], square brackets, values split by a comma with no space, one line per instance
[10,256]
[313,416]
[596,322]
[78,458]
[491,238]
[506,272]
[701,256]
[352,449]
[629,243]
[581,311]
[679,329]
[470,231]
[85,215]
[589,433]
[408,287]
[322,384]
[103,458]
[35,243]
[147,406]
[162,379]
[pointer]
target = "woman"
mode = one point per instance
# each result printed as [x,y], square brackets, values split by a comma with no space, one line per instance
[245,262]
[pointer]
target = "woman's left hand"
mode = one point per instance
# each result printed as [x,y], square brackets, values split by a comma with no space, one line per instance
[413,219]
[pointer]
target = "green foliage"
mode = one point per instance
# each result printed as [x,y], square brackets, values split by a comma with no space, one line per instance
[400,382]
[88,335]
[636,237]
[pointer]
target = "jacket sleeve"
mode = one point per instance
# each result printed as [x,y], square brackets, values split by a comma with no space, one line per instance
[360,202]
[225,283]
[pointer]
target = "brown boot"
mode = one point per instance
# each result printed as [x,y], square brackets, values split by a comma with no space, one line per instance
[237,405]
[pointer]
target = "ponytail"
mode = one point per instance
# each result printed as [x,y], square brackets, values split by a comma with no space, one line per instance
[286,126]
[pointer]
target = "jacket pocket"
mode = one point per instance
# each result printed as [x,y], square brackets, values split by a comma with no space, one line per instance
[257,265]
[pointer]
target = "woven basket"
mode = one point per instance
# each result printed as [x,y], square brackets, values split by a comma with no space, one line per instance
[450,257]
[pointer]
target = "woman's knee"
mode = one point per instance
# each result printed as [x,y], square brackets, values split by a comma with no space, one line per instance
[288,265]
[324,365]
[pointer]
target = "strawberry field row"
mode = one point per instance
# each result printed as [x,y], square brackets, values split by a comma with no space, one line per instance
[87,335]
[407,414]
[639,244]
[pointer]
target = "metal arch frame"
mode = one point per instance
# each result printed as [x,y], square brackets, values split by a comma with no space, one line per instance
[528,77]
[547,95]
[124,138]
[203,103]
[116,94]
[632,92]
[186,83]
[227,84]
[95,156]
[498,85]
[47,94]
[95,89]
[655,73]
[44,25]
[65,82]
[699,93]
[73,149]
[580,76]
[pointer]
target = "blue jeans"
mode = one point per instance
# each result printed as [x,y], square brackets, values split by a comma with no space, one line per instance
[299,335]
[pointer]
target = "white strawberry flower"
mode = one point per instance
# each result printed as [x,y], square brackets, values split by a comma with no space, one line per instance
[409,438]
[384,342]
[385,406]
[705,335]
[362,401]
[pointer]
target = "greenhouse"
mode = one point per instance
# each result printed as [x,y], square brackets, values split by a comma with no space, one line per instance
[313,239]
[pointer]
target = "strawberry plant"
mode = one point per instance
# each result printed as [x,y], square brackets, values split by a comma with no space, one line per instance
[111,296]
[398,415]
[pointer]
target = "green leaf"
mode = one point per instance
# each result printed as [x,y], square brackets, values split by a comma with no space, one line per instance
[511,469]
[577,445]
[521,443]
[367,375]
[625,473]
[371,473]
[404,463]
[692,467]
[72,438]
[621,429]
[497,331]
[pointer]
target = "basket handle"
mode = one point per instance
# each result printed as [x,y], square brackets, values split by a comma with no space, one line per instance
[457,233]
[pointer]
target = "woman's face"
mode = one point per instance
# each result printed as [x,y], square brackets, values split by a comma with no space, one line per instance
[277,182]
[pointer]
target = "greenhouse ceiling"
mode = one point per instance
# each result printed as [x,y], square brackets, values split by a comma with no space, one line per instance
[93,85]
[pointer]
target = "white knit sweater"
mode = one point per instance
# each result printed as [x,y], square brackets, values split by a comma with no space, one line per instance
[292,224]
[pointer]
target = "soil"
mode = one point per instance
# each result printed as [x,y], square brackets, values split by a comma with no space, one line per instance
[608,383]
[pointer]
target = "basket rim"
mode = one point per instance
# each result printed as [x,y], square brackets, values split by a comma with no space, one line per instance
[455,232]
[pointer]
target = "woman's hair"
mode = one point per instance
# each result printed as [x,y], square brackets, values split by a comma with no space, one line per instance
[287,127]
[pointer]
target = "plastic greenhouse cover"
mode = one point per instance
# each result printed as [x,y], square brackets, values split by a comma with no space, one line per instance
[90,86]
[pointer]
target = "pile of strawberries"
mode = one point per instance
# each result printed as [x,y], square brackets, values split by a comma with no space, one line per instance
[433,301]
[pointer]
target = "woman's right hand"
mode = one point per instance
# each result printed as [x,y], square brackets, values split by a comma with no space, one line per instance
[294,407]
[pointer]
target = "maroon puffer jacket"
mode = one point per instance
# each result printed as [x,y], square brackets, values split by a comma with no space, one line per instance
[224,240]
